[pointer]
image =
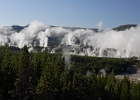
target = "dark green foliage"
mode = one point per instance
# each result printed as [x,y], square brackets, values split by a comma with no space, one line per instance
[117,89]
[35,67]
[65,85]
[92,85]
[101,82]
[53,80]
[85,63]
[125,87]
[138,63]
[79,86]
[14,49]
[7,72]
[24,60]
[110,86]
[133,91]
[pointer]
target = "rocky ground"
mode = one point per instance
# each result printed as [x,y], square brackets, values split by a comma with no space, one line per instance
[135,77]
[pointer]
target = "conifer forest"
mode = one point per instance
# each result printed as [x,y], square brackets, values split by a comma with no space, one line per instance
[50,76]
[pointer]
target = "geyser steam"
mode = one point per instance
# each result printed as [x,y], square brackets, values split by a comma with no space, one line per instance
[107,43]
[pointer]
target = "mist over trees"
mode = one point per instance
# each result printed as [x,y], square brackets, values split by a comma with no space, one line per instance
[44,76]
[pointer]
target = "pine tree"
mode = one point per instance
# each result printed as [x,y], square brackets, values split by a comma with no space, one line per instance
[35,68]
[24,61]
[110,86]
[101,82]
[47,84]
[75,85]
[44,56]
[7,72]
[80,86]
[117,89]
[133,91]
[24,89]
[1,76]
[1,54]
[65,85]
[137,91]
[92,85]
[125,86]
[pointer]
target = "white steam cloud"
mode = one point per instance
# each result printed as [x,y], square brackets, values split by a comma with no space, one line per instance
[100,24]
[35,31]
[107,43]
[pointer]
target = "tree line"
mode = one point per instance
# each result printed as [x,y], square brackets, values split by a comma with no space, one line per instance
[44,76]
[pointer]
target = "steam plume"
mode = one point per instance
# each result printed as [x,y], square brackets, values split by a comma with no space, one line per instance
[107,43]
[100,25]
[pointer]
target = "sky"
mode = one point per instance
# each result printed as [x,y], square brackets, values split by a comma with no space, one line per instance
[72,13]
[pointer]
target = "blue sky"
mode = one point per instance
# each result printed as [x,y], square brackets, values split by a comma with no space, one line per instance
[74,13]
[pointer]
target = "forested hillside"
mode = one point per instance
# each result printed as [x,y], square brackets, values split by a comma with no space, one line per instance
[124,27]
[44,76]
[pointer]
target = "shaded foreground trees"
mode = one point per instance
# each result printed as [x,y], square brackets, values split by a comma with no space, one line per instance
[24,89]
[44,76]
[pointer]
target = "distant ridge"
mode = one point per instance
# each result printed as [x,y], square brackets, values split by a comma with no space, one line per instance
[18,28]
[124,27]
